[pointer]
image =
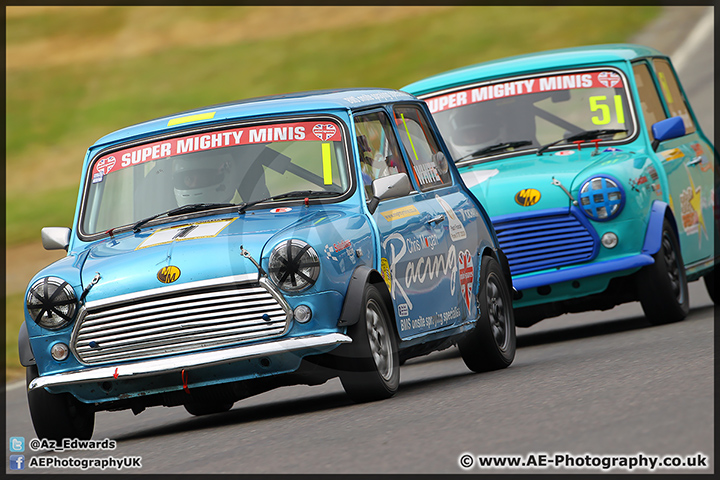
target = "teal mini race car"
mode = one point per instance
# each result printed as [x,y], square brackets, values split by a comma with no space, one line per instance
[596,174]
[223,252]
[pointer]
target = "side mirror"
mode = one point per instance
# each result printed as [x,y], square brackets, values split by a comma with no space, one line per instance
[55,238]
[391,186]
[667,129]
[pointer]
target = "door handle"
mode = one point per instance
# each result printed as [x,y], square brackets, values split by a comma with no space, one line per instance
[694,161]
[437,219]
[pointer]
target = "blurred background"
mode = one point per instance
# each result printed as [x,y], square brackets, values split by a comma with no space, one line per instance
[74,74]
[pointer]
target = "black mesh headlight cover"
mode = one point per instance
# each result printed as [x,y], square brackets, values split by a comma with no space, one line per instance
[294,265]
[51,303]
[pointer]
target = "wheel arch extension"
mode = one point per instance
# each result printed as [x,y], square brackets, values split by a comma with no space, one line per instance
[499,255]
[355,292]
[653,235]
[27,357]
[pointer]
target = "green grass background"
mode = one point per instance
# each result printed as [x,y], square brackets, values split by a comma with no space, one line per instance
[55,111]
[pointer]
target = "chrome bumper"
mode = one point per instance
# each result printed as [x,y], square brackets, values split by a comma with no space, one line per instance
[175,364]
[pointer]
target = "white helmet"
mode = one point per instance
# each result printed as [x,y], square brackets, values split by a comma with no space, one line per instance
[203,178]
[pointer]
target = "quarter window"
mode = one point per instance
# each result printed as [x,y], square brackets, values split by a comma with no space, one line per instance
[427,160]
[671,92]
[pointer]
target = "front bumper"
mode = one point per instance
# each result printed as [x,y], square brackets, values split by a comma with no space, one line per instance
[148,368]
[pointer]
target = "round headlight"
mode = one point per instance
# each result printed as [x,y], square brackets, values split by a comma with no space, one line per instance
[602,198]
[51,302]
[294,265]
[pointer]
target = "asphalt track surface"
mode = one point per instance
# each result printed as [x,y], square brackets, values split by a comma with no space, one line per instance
[598,383]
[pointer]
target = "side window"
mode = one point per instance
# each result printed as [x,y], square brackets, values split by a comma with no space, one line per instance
[428,162]
[649,100]
[379,152]
[671,92]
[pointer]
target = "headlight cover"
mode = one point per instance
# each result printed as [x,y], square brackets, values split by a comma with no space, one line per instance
[51,303]
[294,265]
[601,198]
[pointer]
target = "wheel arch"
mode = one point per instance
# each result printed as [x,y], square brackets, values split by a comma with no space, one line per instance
[362,276]
[27,357]
[653,235]
[500,257]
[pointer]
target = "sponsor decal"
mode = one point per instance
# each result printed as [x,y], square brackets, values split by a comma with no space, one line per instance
[399,213]
[465,267]
[691,209]
[424,269]
[191,231]
[97,177]
[564,153]
[612,149]
[457,231]
[653,173]
[403,310]
[602,79]
[527,197]
[385,270]
[168,274]
[280,132]
[672,154]
[281,210]
[427,173]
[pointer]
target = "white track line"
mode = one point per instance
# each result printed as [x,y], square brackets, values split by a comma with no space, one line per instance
[703,29]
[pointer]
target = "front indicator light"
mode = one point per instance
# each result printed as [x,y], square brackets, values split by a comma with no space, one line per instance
[51,303]
[59,351]
[302,313]
[609,240]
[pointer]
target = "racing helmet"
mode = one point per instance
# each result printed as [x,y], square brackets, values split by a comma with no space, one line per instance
[203,178]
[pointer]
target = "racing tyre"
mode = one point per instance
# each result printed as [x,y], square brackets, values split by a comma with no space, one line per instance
[58,416]
[663,288]
[709,279]
[370,367]
[491,344]
[207,408]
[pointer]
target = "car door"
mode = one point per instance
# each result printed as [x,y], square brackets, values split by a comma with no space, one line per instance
[688,160]
[416,263]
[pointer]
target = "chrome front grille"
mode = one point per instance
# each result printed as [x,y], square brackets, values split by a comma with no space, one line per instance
[537,242]
[172,320]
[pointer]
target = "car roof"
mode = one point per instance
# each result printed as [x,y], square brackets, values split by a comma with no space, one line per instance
[292,103]
[533,62]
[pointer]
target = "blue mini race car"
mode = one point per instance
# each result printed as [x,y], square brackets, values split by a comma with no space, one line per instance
[598,178]
[222,252]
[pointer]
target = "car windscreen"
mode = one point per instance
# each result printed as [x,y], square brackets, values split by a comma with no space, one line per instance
[237,165]
[529,112]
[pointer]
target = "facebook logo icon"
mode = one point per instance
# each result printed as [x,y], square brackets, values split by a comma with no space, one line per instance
[17,462]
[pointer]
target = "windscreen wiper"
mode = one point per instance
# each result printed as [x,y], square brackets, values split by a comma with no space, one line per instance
[584,135]
[295,193]
[496,147]
[193,207]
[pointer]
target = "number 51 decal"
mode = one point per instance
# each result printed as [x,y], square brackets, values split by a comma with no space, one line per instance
[605,115]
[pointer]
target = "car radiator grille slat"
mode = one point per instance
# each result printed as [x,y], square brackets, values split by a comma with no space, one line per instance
[181,321]
[536,243]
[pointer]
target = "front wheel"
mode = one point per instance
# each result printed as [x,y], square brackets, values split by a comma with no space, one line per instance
[60,415]
[370,365]
[663,288]
[709,279]
[491,344]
